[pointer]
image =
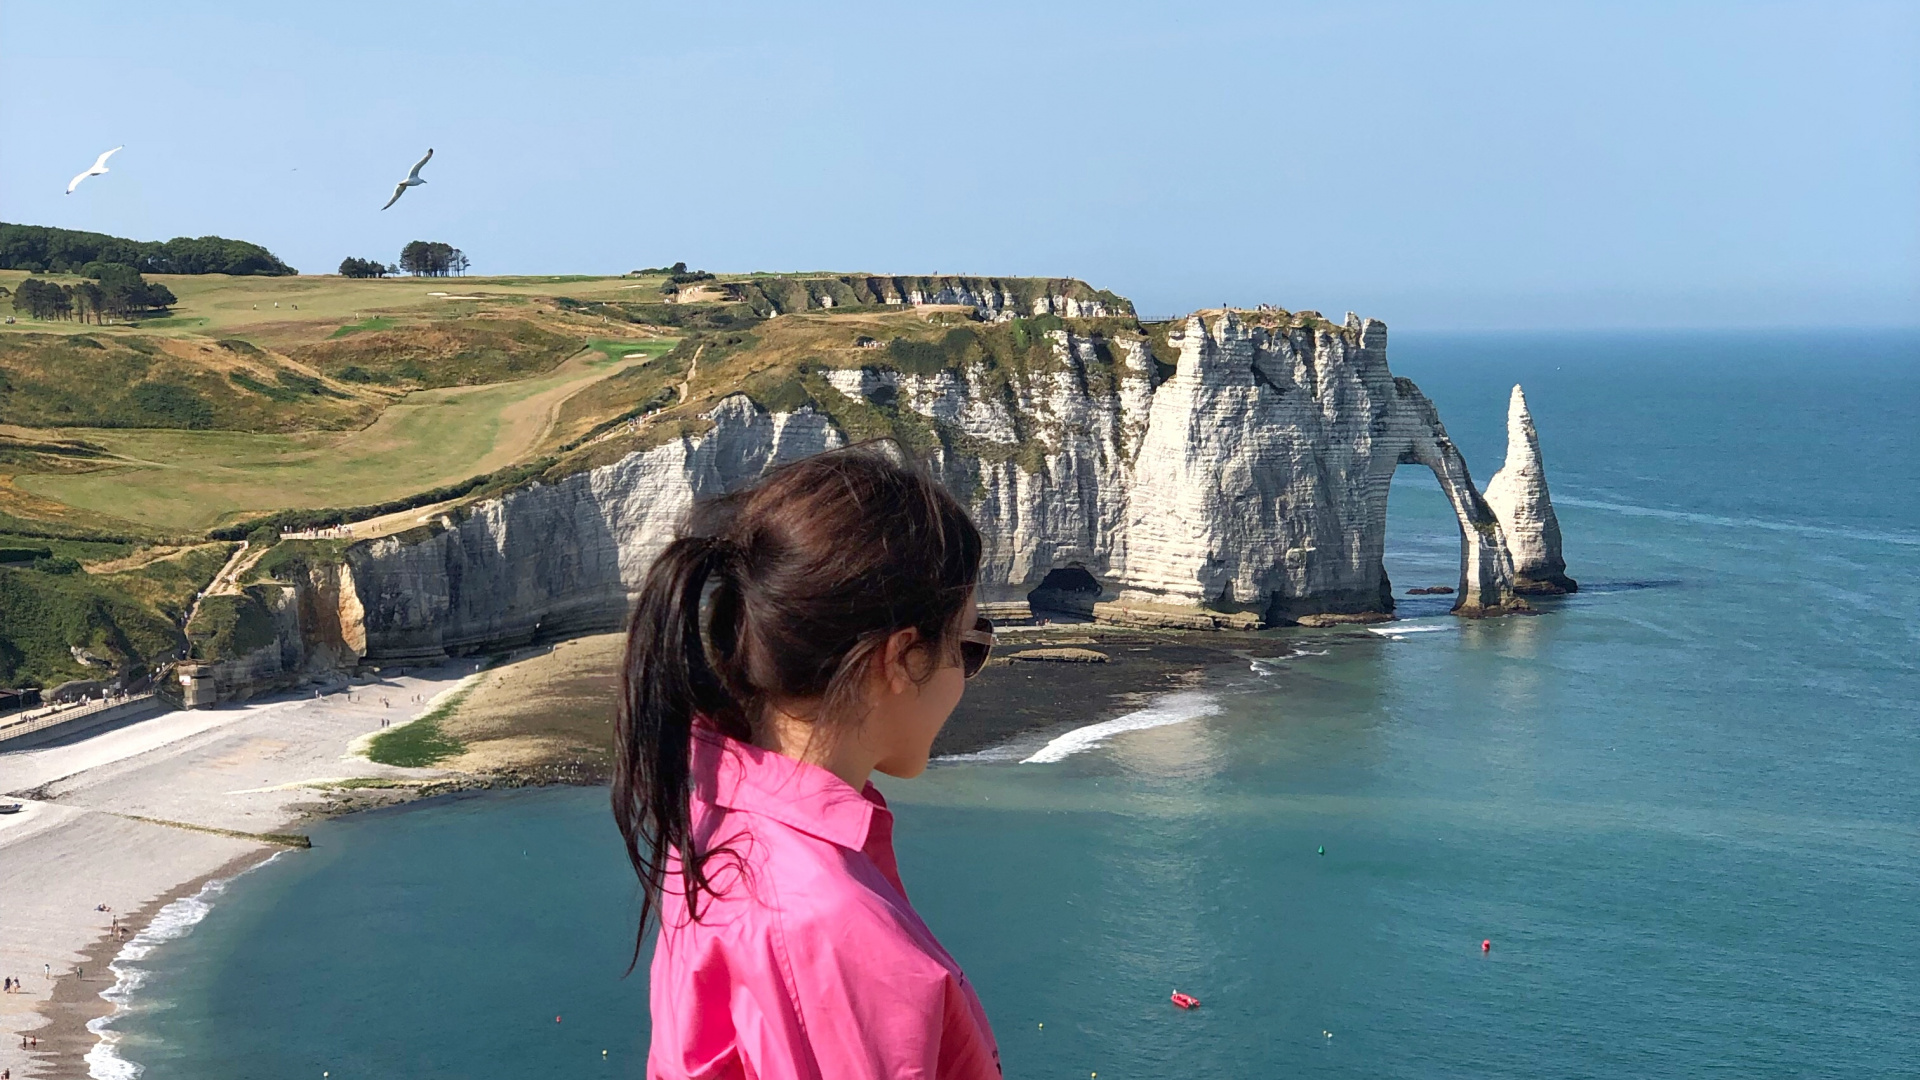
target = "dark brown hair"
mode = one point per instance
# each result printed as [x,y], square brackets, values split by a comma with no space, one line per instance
[778,593]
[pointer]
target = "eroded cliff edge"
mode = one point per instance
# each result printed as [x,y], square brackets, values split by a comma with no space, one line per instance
[1231,471]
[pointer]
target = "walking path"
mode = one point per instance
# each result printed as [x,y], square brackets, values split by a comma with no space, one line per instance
[681,396]
[223,582]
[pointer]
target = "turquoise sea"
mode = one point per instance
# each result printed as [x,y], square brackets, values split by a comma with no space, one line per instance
[1683,805]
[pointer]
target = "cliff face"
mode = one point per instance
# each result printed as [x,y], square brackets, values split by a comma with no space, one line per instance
[1249,485]
[561,558]
[319,627]
[1262,479]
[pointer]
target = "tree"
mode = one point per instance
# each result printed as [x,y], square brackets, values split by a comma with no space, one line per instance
[37,248]
[431,258]
[90,299]
[364,268]
[33,300]
[121,292]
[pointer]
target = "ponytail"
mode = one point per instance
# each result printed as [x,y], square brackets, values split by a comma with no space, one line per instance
[665,682]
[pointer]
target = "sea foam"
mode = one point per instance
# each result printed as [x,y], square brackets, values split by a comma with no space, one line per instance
[170,923]
[1172,709]
[1397,629]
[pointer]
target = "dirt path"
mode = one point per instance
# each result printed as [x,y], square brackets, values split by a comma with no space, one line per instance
[681,394]
[224,581]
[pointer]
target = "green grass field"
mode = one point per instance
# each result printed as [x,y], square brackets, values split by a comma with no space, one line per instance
[188,481]
[493,361]
[216,305]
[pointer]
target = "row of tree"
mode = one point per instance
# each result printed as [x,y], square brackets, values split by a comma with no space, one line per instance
[422,258]
[364,268]
[41,249]
[119,293]
[431,258]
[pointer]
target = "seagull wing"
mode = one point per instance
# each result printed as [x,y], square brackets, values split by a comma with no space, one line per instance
[414,173]
[398,190]
[99,166]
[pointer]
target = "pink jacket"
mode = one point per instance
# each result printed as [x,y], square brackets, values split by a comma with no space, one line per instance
[811,963]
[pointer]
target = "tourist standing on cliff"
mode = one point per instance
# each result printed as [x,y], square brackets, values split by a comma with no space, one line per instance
[835,640]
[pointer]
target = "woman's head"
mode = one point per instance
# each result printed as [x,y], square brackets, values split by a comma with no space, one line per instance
[836,590]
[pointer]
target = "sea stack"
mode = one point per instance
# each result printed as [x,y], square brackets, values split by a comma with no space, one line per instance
[1518,496]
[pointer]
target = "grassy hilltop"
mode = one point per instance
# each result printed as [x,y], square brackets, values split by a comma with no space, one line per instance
[132,454]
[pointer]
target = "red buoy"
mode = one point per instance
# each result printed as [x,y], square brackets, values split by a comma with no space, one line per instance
[1487,945]
[1185,1001]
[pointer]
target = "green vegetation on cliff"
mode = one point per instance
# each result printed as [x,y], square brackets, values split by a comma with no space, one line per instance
[130,617]
[233,624]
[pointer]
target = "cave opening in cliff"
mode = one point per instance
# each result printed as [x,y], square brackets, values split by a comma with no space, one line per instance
[1066,590]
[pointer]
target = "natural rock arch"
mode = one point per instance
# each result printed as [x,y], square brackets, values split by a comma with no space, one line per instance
[1486,567]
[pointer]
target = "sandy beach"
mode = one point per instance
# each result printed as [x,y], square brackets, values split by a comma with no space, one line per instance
[134,816]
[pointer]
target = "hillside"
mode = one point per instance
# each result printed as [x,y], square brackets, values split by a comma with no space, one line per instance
[135,381]
[304,401]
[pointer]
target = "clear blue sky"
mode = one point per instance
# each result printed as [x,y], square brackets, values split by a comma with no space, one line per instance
[1438,165]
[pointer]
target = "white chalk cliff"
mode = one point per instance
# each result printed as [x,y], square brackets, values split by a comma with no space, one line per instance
[1243,484]
[1249,486]
[1518,496]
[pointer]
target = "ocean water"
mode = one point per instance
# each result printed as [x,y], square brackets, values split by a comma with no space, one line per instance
[1683,805]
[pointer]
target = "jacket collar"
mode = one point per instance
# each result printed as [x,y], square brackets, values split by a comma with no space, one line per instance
[741,776]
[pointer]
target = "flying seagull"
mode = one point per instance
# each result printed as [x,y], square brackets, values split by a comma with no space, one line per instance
[412,180]
[99,167]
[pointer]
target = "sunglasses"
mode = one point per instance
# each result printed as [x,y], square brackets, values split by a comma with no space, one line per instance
[975,644]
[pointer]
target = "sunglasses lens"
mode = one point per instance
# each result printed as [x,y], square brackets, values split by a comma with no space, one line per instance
[973,654]
[973,657]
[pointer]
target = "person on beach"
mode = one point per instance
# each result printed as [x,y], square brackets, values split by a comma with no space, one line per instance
[796,637]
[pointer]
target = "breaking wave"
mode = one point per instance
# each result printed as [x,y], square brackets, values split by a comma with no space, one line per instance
[1174,708]
[1397,629]
[171,923]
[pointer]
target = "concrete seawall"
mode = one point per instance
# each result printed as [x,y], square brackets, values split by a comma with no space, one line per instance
[45,729]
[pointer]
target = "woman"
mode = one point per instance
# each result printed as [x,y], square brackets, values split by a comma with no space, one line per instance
[798,636]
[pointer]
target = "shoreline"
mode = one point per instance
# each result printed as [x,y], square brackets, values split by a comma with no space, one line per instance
[77,1001]
[1017,698]
[132,815]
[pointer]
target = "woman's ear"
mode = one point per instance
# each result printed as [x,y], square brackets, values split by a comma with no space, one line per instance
[896,659]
